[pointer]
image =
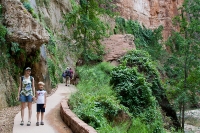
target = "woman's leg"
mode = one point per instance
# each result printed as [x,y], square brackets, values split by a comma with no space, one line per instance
[29,110]
[22,110]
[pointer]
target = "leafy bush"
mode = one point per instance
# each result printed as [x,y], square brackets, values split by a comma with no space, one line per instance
[131,88]
[3,32]
[144,65]
[52,72]
[95,102]
[134,80]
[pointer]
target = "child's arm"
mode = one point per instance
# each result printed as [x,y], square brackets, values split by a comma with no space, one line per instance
[45,99]
[36,95]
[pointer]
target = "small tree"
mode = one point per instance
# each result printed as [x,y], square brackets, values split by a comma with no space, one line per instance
[185,46]
[87,27]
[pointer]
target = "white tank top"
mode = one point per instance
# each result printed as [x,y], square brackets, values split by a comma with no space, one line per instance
[41,96]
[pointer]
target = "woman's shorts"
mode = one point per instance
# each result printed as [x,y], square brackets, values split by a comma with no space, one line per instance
[24,98]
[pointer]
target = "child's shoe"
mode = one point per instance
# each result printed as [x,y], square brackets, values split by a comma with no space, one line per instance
[37,124]
[41,123]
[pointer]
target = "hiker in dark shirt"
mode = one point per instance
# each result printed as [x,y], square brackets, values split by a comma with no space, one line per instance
[68,74]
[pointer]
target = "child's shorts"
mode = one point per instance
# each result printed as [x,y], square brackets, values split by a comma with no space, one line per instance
[40,108]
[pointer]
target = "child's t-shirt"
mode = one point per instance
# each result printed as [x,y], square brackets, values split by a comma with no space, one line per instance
[41,96]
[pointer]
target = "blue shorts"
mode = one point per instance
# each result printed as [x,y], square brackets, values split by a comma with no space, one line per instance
[40,108]
[24,98]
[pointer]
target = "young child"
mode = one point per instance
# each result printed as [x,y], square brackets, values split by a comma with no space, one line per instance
[41,95]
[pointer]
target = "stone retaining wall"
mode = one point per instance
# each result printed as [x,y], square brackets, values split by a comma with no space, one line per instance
[72,121]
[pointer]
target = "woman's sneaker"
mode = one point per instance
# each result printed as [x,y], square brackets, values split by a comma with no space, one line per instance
[42,123]
[22,123]
[37,124]
[29,123]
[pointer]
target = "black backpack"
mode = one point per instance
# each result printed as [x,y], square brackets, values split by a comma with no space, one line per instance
[67,73]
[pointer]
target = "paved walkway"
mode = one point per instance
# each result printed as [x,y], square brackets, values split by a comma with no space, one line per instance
[52,108]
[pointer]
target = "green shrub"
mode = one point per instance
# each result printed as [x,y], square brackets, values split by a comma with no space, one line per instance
[3,32]
[136,82]
[95,102]
[52,72]
[131,88]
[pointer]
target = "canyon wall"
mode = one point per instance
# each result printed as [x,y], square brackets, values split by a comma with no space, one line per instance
[151,13]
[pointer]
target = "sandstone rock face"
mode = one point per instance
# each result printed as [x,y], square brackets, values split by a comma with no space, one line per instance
[162,12]
[135,10]
[152,13]
[22,27]
[52,13]
[7,86]
[116,46]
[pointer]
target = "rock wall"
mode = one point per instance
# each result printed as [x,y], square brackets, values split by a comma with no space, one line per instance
[22,27]
[7,85]
[52,13]
[134,10]
[152,13]
[116,46]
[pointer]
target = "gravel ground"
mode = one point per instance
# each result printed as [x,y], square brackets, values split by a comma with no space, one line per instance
[7,116]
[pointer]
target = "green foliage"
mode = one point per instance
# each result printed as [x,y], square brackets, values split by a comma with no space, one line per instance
[56,57]
[43,2]
[11,97]
[184,59]
[137,84]
[3,46]
[51,46]
[132,89]
[3,32]
[146,39]
[29,8]
[15,47]
[0,10]
[95,102]
[138,127]
[88,29]
[52,72]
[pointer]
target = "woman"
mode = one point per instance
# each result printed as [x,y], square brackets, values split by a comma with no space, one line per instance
[26,94]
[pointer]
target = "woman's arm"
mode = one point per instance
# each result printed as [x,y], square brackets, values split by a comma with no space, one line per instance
[33,87]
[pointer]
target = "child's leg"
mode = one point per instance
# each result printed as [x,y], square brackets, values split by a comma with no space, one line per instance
[42,116]
[38,115]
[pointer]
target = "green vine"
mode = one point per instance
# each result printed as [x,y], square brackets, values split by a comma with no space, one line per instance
[145,39]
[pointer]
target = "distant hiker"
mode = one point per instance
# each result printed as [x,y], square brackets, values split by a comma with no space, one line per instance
[68,74]
[71,73]
[41,95]
[26,94]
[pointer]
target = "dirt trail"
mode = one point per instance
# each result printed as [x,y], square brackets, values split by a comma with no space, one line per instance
[52,120]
